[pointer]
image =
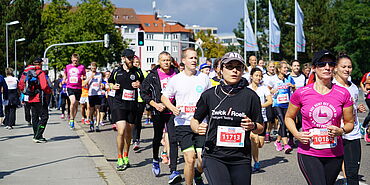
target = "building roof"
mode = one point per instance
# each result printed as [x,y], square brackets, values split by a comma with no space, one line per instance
[149,24]
[125,16]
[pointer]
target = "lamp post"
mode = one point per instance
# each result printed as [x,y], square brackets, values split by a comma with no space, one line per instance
[15,54]
[6,35]
[295,38]
[163,25]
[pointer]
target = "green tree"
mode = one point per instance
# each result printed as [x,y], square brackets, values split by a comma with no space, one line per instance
[211,45]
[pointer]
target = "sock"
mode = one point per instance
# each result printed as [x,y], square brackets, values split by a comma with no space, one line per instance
[125,154]
[197,173]
[267,133]
[119,156]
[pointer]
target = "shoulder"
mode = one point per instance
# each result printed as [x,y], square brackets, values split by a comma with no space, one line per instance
[304,90]
[340,90]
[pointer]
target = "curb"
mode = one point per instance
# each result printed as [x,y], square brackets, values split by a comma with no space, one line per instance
[105,170]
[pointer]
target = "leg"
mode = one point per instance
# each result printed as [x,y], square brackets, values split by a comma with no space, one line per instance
[74,106]
[332,166]
[44,115]
[12,114]
[120,136]
[173,144]
[158,126]
[367,119]
[35,110]
[312,169]
[352,158]
[189,156]
[254,142]
[216,172]
[240,174]
[7,114]
[27,112]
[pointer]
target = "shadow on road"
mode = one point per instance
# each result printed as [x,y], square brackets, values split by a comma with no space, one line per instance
[4,138]
[62,138]
[274,161]
[6,173]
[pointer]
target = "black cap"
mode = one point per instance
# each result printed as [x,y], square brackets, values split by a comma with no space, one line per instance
[38,61]
[128,53]
[321,54]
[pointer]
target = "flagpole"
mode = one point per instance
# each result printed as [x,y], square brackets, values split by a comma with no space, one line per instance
[245,31]
[295,30]
[269,33]
[255,22]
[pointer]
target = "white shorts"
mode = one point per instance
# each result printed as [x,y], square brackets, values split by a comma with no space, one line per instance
[84,100]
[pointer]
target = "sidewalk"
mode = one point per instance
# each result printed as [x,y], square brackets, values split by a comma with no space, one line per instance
[64,159]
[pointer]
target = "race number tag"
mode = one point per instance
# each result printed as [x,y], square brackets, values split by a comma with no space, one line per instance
[26,98]
[73,80]
[282,98]
[321,140]
[112,93]
[128,95]
[230,136]
[95,85]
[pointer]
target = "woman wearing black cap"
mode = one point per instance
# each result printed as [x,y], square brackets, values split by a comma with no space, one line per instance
[322,104]
[234,111]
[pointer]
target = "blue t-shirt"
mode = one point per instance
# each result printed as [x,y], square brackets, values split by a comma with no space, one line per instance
[282,97]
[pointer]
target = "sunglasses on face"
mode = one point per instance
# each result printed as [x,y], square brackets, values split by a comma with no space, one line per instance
[237,67]
[323,64]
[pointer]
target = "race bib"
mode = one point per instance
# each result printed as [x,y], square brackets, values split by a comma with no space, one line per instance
[26,97]
[321,140]
[282,98]
[187,109]
[95,85]
[73,79]
[230,136]
[128,95]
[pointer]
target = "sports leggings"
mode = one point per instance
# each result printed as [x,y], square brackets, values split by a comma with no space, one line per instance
[280,113]
[352,158]
[367,119]
[136,131]
[320,170]
[65,100]
[219,173]
[159,122]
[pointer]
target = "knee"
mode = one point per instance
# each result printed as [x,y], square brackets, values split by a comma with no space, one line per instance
[190,159]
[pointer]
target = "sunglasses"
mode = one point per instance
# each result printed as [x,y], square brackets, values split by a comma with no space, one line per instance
[237,67]
[323,64]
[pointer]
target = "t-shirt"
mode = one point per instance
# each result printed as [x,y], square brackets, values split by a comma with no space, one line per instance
[186,90]
[95,84]
[164,78]
[282,96]
[74,74]
[262,92]
[266,80]
[11,82]
[320,111]
[228,113]
[299,80]
[353,90]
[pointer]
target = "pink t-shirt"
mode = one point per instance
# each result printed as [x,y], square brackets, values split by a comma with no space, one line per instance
[74,74]
[320,111]
[164,78]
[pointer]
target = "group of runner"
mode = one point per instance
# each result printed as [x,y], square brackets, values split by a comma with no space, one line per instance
[220,122]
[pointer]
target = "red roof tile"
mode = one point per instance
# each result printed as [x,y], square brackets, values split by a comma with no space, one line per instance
[149,24]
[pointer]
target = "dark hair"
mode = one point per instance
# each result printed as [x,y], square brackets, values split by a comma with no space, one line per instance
[216,63]
[255,70]
[343,55]
[182,64]
[184,52]
[295,61]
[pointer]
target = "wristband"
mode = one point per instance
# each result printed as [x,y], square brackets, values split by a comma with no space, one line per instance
[255,126]
[344,131]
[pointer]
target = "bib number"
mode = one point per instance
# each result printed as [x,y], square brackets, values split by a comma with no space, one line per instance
[112,93]
[188,109]
[230,136]
[73,80]
[95,85]
[26,98]
[282,98]
[128,95]
[321,140]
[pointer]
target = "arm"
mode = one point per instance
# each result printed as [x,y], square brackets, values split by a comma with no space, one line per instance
[268,102]
[169,105]
[5,89]
[44,83]
[88,80]
[146,95]
[303,137]
[348,121]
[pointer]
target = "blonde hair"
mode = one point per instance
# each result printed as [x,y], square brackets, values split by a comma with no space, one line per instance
[279,66]
[9,71]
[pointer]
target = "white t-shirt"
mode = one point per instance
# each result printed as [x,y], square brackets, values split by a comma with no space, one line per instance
[262,91]
[353,90]
[95,84]
[11,82]
[299,80]
[186,90]
[266,79]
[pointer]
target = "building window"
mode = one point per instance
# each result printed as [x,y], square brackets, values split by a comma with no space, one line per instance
[214,32]
[150,48]
[155,24]
[174,36]
[166,36]
[147,24]
[149,36]
[174,48]
[166,48]
[150,60]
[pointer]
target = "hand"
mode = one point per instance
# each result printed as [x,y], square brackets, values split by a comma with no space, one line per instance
[202,129]
[290,84]
[273,91]
[160,107]
[116,87]
[135,84]
[361,108]
[247,124]
[335,131]
[176,111]
[303,137]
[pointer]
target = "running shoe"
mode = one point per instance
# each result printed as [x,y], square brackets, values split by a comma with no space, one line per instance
[114,127]
[29,123]
[267,138]
[362,130]
[83,120]
[156,169]
[256,167]
[43,139]
[126,163]
[91,126]
[72,124]
[287,149]
[120,164]
[97,128]
[39,140]
[62,116]
[164,158]
[278,146]
[102,123]
[367,135]
[87,121]
[198,180]
[136,146]
[174,178]
[6,127]
[291,143]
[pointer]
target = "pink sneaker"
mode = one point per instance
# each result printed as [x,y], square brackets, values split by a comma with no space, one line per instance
[278,146]
[287,149]
[114,127]
[62,116]
[367,136]
[87,122]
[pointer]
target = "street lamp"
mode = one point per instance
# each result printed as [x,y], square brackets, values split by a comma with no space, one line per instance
[164,17]
[6,35]
[15,54]
[295,38]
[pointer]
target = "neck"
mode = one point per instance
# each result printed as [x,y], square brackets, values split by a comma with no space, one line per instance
[190,72]
[270,73]
[323,86]
[165,70]
[295,73]
[342,81]
[254,85]
[281,76]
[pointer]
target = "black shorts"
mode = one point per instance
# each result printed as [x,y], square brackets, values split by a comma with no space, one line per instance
[264,129]
[123,115]
[94,100]
[76,92]
[103,104]
[270,114]
[187,138]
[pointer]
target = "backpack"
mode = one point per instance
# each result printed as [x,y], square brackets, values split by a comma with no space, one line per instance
[32,83]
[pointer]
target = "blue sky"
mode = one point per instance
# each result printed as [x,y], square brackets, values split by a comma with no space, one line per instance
[224,14]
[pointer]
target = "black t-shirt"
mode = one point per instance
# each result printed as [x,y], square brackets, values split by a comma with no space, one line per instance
[125,79]
[229,113]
